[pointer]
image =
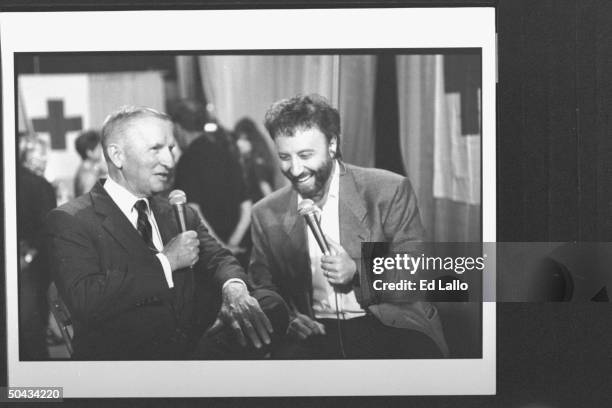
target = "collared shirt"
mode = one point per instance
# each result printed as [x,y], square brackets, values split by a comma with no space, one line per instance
[125,201]
[324,296]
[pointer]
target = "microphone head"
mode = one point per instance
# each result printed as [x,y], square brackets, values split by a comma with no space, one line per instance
[177,197]
[306,207]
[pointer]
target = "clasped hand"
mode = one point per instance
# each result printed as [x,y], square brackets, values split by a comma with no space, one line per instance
[339,268]
[302,327]
[242,314]
[183,250]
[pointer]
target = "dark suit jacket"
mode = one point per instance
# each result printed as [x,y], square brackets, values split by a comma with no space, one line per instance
[115,287]
[36,198]
[374,205]
[198,173]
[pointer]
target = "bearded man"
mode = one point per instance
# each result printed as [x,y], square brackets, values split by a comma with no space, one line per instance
[334,313]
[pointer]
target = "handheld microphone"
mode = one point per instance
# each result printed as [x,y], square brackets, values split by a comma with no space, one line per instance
[178,199]
[309,210]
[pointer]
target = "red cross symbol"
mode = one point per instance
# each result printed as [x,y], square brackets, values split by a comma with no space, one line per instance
[56,124]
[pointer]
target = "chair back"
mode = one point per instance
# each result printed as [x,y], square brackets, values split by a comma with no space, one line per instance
[61,314]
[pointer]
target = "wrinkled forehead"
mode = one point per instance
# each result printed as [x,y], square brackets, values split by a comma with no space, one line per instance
[146,130]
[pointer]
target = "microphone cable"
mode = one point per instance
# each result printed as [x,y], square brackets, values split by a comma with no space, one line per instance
[341,343]
[338,319]
[307,206]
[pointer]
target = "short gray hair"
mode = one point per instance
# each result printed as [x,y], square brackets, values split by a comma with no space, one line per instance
[117,121]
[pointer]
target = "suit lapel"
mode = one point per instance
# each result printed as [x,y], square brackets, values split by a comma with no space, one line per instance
[295,228]
[121,229]
[352,213]
[115,222]
[354,228]
[297,259]
[165,219]
[352,217]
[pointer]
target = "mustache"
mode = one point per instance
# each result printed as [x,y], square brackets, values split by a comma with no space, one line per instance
[294,179]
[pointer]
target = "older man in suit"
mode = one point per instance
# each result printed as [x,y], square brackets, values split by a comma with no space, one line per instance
[333,311]
[128,274]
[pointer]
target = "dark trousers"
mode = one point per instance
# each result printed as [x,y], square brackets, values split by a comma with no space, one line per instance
[188,342]
[359,338]
[33,314]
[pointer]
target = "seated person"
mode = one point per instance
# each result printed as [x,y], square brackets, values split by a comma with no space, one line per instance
[129,275]
[332,314]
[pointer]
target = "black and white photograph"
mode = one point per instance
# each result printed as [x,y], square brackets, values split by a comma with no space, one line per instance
[200,205]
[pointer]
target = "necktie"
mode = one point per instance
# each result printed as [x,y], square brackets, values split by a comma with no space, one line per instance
[143,225]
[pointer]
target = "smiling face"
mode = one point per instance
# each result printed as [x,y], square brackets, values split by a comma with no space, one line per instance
[306,160]
[142,156]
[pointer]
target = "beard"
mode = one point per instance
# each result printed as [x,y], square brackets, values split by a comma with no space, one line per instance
[321,176]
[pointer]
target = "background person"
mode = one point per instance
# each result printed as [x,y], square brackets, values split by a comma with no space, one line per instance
[256,159]
[35,198]
[92,165]
[210,175]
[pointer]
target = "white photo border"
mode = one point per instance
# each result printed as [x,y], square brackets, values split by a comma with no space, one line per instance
[268,30]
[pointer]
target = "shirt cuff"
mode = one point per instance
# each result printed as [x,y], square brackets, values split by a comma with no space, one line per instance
[227,282]
[167,269]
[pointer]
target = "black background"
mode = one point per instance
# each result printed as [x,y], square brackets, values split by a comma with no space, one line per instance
[554,178]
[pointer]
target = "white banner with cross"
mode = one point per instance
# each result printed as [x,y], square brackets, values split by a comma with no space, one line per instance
[60,106]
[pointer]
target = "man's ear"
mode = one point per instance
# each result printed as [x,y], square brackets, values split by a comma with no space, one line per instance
[333,147]
[115,155]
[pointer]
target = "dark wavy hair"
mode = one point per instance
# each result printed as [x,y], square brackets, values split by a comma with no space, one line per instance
[304,112]
[86,141]
[261,154]
[190,114]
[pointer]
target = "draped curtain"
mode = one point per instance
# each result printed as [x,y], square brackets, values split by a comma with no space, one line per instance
[442,163]
[109,91]
[246,85]
[357,87]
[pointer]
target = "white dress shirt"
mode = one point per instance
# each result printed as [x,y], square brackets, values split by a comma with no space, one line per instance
[324,296]
[125,201]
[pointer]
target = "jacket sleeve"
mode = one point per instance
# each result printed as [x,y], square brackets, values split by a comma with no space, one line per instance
[264,272]
[215,261]
[92,288]
[261,263]
[404,233]
[402,222]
